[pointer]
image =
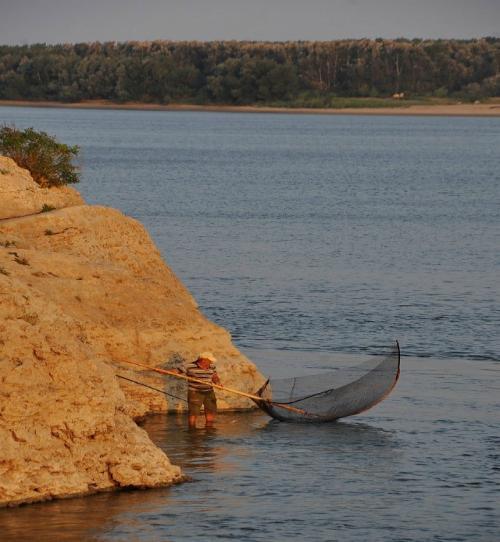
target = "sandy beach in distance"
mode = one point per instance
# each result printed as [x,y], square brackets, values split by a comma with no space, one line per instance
[491,109]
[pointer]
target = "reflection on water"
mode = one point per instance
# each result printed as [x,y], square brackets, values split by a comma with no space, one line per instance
[244,468]
[423,465]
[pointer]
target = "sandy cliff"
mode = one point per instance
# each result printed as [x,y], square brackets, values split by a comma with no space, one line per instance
[20,195]
[83,288]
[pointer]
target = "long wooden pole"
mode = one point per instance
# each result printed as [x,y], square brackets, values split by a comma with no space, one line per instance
[216,386]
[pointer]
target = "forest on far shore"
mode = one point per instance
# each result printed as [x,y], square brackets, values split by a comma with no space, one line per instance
[294,74]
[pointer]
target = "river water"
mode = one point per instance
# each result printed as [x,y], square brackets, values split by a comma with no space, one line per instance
[315,240]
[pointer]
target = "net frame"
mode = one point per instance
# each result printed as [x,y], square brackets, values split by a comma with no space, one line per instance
[329,396]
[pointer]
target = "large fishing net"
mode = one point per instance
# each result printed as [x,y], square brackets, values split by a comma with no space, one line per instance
[331,395]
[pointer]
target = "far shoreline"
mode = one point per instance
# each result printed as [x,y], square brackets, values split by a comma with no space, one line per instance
[491,109]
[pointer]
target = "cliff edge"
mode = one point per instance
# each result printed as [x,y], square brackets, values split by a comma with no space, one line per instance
[83,289]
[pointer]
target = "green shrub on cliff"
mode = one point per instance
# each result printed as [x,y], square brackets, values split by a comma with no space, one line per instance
[49,162]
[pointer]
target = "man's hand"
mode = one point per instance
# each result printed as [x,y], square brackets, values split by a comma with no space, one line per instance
[216,379]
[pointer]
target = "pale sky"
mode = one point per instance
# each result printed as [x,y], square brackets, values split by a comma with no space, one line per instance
[56,21]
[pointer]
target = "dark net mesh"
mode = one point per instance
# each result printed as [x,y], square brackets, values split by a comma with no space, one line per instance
[332,395]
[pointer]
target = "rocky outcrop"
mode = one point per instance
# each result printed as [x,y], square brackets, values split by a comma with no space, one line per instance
[20,195]
[83,289]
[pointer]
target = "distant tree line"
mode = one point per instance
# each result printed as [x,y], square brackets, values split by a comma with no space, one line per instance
[294,73]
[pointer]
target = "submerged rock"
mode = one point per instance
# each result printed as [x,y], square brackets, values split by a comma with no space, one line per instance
[82,289]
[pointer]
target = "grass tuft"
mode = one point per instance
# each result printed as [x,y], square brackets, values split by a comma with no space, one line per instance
[46,208]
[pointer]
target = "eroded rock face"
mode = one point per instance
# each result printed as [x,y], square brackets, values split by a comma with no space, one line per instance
[20,195]
[82,289]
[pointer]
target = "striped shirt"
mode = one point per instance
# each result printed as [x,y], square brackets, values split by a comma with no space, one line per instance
[195,371]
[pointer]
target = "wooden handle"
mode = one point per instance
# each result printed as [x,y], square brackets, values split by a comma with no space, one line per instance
[217,386]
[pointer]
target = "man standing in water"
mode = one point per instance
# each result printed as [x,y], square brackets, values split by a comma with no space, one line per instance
[202,393]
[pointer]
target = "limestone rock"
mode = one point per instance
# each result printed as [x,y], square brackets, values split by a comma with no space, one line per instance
[20,195]
[63,423]
[103,268]
[82,289]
